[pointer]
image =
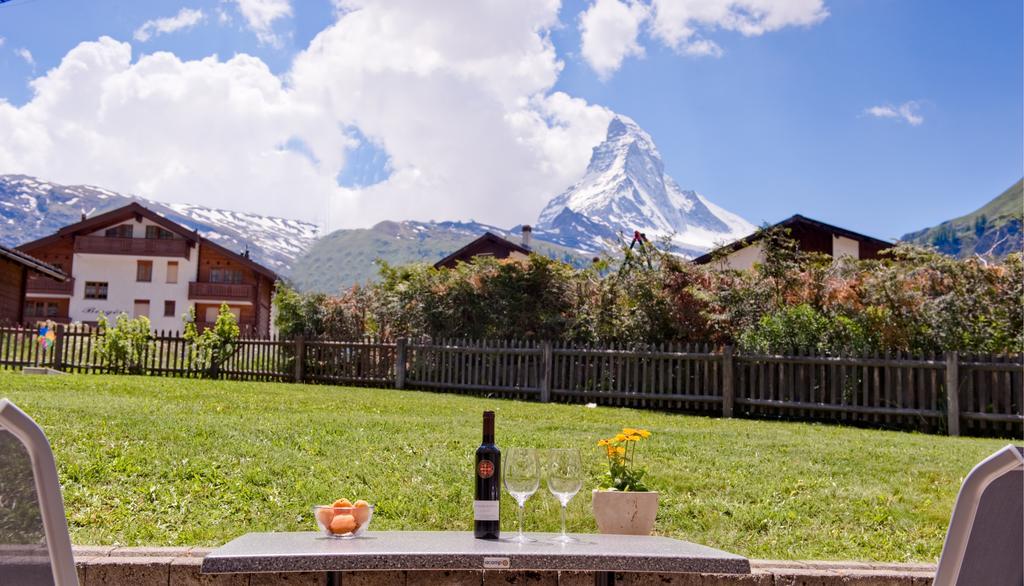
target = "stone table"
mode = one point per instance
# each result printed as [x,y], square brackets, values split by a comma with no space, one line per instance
[455,550]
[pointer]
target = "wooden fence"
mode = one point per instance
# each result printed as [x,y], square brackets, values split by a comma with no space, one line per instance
[892,390]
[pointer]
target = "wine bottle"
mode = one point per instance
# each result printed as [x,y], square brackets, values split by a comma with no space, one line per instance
[488,484]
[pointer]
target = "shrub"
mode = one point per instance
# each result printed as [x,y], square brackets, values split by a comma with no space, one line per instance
[209,349]
[124,346]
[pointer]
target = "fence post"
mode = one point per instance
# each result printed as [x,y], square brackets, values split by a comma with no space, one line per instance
[728,390]
[57,359]
[546,371]
[300,359]
[400,363]
[952,393]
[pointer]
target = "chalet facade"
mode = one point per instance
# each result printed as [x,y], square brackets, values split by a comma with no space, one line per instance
[17,270]
[810,236]
[492,245]
[132,260]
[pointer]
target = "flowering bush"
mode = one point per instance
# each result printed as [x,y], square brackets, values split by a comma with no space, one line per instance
[624,473]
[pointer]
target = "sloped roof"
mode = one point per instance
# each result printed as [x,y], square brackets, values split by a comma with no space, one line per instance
[485,237]
[32,263]
[135,209]
[790,222]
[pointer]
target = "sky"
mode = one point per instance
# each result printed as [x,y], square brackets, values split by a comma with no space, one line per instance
[881,116]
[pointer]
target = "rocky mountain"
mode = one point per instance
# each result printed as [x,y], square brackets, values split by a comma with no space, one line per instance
[31,208]
[346,257]
[995,228]
[625,188]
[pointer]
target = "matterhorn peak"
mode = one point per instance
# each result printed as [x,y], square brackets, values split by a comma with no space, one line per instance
[625,189]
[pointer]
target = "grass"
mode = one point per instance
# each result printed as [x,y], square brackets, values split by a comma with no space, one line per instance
[160,461]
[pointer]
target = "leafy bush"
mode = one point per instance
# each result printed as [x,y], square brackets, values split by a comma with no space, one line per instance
[125,345]
[912,300]
[207,350]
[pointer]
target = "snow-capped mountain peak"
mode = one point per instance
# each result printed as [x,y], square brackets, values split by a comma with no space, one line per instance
[625,188]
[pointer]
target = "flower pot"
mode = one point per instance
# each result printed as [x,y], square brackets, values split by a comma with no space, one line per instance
[625,513]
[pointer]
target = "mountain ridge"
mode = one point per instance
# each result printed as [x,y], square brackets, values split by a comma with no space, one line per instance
[996,228]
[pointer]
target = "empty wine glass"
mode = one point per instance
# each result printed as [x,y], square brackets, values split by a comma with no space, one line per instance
[563,471]
[522,479]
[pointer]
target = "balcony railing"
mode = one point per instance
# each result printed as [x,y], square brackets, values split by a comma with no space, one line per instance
[47,286]
[133,246]
[221,291]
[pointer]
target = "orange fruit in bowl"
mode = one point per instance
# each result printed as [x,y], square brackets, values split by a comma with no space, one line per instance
[342,524]
[341,503]
[361,512]
[325,516]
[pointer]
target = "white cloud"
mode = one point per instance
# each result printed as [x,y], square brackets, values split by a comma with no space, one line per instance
[684,25]
[260,15]
[26,55]
[470,124]
[204,131]
[2,41]
[467,120]
[908,112]
[608,32]
[185,19]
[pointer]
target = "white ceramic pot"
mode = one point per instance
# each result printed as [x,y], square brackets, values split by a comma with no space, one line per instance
[625,513]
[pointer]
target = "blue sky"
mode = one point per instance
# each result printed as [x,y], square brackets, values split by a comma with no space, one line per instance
[776,124]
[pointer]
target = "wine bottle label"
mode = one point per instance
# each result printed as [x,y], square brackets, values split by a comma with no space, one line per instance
[485,510]
[485,469]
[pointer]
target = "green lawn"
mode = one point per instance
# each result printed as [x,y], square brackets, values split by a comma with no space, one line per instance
[160,461]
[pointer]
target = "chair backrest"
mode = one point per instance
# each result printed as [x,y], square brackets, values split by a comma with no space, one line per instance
[35,547]
[985,541]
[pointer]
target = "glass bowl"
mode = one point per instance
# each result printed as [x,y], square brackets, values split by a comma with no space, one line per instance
[342,522]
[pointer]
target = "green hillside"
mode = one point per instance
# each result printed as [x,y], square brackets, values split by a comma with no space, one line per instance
[995,228]
[346,257]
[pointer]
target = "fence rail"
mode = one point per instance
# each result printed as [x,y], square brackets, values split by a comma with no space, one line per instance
[947,393]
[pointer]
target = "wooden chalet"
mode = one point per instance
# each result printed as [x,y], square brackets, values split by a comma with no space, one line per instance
[132,260]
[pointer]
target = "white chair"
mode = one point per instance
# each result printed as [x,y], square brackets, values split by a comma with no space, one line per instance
[985,541]
[35,547]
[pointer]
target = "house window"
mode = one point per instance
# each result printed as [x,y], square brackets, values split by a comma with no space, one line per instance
[212,312]
[95,290]
[41,309]
[172,271]
[141,308]
[223,275]
[144,271]
[122,231]
[169,308]
[158,233]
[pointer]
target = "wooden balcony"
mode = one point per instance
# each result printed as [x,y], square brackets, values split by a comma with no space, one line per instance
[221,291]
[133,246]
[40,285]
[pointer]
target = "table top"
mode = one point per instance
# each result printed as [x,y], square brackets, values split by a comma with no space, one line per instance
[457,550]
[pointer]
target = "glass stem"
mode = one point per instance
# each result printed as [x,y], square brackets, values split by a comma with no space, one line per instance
[564,534]
[521,507]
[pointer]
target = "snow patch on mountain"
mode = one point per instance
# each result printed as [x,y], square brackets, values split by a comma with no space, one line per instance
[625,189]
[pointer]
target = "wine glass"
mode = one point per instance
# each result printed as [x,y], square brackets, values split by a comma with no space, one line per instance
[564,474]
[522,479]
